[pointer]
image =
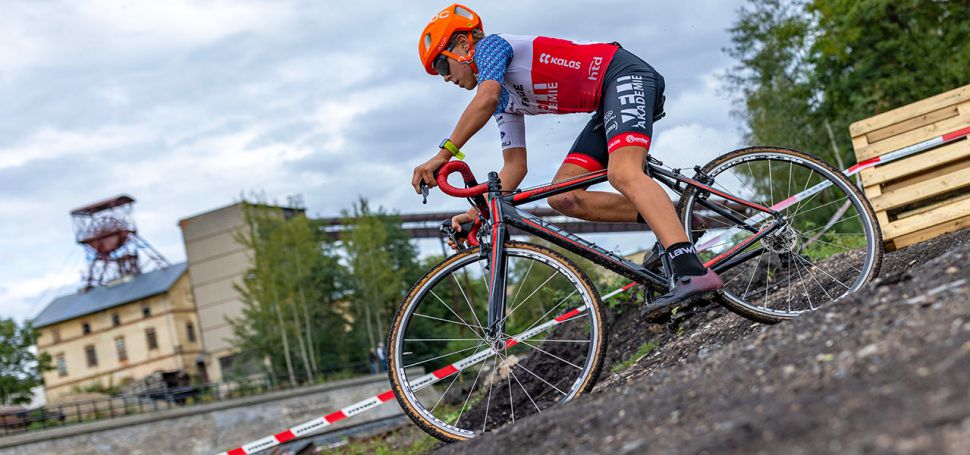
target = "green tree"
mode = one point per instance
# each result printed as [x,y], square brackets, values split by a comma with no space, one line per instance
[382,266]
[289,294]
[805,63]
[20,368]
[809,68]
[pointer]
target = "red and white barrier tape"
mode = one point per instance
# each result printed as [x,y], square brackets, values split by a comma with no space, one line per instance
[442,373]
[420,383]
[855,169]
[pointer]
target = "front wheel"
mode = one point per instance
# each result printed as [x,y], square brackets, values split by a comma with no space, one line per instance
[829,244]
[454,382]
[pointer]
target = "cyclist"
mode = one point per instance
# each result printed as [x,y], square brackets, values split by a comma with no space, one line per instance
[515,76]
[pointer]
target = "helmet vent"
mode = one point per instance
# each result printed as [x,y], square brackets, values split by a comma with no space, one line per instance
[461,11]
[427,41]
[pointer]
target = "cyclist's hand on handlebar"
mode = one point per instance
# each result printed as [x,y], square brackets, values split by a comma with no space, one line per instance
[457,221]
[424,173]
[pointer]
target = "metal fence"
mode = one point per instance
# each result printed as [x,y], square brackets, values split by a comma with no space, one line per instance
[49,416]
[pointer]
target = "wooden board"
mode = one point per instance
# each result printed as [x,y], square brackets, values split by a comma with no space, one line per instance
[916,163]
[927,208]
[927,219]
[912,124]
[904,113]
[922,186]
[913,137]
[932,232]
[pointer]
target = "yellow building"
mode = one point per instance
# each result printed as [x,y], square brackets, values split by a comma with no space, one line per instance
[125,330]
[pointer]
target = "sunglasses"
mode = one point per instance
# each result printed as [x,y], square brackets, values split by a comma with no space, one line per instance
[441,65]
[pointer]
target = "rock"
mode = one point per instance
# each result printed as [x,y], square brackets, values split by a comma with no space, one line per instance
[867,351]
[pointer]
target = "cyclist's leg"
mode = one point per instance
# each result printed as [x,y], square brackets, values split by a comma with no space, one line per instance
[588,154]
[628,103]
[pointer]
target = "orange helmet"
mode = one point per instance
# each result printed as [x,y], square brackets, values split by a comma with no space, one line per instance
[434,38]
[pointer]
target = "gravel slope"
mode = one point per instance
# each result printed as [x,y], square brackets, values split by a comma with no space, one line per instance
[886,371]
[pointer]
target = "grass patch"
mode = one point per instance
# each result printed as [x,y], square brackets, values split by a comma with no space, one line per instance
[421,443]
[645,349]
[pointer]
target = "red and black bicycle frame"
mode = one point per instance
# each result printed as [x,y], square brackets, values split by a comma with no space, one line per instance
[501,212]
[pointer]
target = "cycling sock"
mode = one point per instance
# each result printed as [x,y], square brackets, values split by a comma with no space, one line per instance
[683,258]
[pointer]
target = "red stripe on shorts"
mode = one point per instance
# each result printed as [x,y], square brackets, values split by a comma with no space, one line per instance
[628,139]
[584,161]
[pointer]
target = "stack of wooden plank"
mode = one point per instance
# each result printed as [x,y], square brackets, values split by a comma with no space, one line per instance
[927,194]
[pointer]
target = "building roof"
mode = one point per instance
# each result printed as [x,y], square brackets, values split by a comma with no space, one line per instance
[109,296]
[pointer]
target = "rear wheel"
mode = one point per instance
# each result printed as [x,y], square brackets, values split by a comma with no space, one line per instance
[829,246]
[454,382]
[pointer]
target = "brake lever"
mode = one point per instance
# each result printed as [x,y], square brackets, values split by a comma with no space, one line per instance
[425,191]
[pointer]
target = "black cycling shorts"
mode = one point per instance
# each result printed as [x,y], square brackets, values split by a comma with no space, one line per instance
[632,100]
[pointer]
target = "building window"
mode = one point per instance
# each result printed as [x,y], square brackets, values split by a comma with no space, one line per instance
[56,334]
[152,339]
[91,355]
[190,331]
[146,311]
[85,328]
[120,346]
[61,365]
[116,319]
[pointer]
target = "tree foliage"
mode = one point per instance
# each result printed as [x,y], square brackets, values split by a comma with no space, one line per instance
[805,63]
[313,306]
[382,265]
[292,321]
[20,367]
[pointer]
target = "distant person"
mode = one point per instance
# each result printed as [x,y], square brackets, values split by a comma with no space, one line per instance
[372,356]
[381,356]
[517,75]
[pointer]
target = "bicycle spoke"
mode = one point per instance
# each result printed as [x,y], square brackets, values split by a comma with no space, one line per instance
[455,379]
[439,357]
[554,273]
[505,361]
[833,224]
[753,273]
[830,276]
[541,379]
[444,320]
[552,355]
[456,314]
[470,306]
[808,267]
[792,217]
[491,384]
[541,318]
[521,282]
[442,339]
[470,391]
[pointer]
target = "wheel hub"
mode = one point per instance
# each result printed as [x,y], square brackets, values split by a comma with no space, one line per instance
[783,240]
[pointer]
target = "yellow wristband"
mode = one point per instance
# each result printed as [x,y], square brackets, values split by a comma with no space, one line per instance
[449,146]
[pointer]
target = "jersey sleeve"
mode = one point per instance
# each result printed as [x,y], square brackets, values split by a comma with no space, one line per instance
[511,129]
[492,56]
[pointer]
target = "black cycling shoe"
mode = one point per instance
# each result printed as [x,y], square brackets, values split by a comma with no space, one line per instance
[685,288]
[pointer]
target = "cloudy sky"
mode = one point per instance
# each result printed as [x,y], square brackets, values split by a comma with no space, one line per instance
[187,105]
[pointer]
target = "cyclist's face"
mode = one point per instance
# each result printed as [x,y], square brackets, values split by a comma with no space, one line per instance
[461,75]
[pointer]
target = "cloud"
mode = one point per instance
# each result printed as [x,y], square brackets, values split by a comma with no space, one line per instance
[188,105]
[49,143]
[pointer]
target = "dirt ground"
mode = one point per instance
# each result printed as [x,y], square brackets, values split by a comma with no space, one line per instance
[885,371]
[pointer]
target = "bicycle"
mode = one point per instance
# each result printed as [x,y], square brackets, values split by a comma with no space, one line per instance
[542,339]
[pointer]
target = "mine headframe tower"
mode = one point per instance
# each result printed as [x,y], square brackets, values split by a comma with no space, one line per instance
[107,231]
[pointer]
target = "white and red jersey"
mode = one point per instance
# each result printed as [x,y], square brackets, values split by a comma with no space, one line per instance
[554,76]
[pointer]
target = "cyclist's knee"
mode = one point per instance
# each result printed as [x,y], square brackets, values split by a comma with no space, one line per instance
[566,203]
[622,178]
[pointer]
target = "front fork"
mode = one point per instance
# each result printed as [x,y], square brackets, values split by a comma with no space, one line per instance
[498,262]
